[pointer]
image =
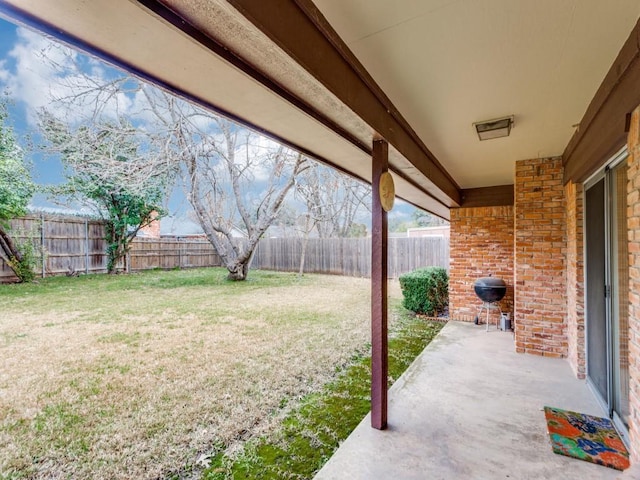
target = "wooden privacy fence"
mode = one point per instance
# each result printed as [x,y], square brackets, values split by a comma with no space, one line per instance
[148,253]
[67,242]
[350,256]
[77,244]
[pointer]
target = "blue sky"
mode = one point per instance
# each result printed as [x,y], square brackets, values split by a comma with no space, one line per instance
[26,83]
[44,171]
[30,83]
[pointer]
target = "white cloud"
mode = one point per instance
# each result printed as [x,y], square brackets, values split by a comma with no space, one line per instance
[45,70]
[259,148]
[31,80]
[4,73]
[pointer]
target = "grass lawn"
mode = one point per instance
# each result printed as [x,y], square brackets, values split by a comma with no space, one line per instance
[312,431]
[139,376]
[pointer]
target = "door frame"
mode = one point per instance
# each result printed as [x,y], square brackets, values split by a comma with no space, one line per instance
[606,403]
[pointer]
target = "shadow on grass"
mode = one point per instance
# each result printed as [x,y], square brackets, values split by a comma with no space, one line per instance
[311,433]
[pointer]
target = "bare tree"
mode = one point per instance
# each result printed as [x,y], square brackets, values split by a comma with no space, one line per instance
[235,180]
[239,160]
[332,200]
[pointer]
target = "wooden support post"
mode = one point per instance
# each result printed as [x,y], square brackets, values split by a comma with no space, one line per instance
[379,340]
[43,259]
[86,246]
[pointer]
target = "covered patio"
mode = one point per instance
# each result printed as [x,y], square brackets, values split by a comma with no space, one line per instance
[550,203]
[469,407]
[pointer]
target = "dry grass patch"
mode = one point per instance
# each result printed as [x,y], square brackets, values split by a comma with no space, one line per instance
[136,376]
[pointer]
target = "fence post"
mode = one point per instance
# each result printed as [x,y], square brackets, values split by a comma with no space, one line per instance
[86,246]
[42,250]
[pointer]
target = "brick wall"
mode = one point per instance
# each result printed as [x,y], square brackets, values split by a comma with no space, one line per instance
[633,222]
[575,279]
[481,244]
[540,253]
[153,229]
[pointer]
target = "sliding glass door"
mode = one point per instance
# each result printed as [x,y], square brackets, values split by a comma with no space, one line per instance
[607,289]
[596,301]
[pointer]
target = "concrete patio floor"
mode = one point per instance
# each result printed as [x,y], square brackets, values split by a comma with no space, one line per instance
[469,407]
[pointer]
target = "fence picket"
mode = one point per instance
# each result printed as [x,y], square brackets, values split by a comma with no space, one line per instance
[78,243]
[350,256]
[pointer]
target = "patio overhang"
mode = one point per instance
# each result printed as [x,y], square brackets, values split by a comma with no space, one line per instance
[228,57]
[328,78]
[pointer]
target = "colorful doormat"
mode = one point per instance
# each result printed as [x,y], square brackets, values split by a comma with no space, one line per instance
[586,437]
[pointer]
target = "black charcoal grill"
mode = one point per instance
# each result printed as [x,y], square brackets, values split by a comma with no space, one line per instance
[490,290]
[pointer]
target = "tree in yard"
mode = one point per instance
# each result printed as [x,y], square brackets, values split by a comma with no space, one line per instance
[333,200]
[332,203]
[234,179]
[111,167]
[16,189]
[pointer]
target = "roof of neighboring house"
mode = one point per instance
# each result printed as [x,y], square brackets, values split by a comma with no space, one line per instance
[178,226]
[440,230]
[181,226]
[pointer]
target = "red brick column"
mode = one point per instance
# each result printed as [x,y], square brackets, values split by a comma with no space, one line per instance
[540,258]
[575,278]
[633,222]
[481,244]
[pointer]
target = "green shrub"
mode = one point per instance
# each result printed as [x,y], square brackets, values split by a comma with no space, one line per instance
[425,290]
[25,267]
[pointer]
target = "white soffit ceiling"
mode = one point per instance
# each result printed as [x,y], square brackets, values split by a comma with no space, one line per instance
[133,36]
[447,64]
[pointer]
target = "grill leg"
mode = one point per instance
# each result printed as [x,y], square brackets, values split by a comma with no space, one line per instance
[488,317]
[477,319]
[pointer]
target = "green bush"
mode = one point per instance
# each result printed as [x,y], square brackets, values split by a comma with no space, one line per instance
[25,267]
[425,290]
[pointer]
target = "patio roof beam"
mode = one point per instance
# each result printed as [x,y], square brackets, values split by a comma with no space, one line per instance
[602,130]
[237,61]
[497,196]
[315,46]
[379,331]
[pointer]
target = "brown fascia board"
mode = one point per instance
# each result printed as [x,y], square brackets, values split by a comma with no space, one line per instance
[498,196]
[601,132]
[23,17]
[172,16]
[301,31]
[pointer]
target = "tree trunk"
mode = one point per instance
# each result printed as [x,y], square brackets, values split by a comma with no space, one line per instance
[239,268]
[10,253]
[9,249]
[239,271]
[305,242]
[114,248]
